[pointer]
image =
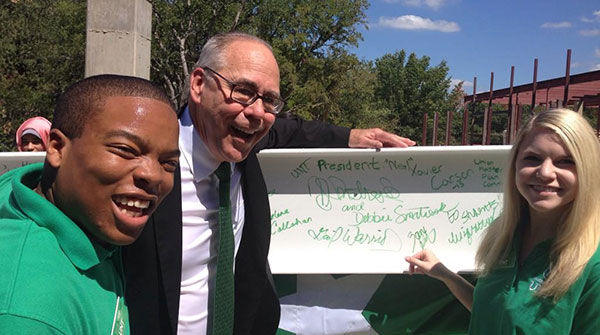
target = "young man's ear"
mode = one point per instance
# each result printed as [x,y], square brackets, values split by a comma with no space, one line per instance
[197,84]
[58,144]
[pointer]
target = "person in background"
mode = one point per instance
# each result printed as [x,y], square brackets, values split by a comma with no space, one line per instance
[62,222]
[32,134]
[230,115]
[539,261]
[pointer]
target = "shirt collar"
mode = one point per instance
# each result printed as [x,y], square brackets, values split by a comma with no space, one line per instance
[82,251]
[193,150]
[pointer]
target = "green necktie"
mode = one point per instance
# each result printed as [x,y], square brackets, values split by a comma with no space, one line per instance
[223,298]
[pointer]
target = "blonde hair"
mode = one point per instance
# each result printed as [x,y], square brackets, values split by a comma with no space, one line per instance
[578,235]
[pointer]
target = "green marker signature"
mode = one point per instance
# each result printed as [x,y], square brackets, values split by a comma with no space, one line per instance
[354,236]
[454,181]
[467,232]
[422,237]
[331,189]
[300,169]
[423,212]
[413,167]
[278,226]
[349,165]
[490,174]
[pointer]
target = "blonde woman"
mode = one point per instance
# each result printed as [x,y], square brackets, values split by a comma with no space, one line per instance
[539,261]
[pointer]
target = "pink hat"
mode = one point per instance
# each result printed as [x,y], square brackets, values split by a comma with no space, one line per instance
[38,126]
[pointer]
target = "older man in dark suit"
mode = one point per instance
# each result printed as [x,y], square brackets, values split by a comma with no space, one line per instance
[172,270]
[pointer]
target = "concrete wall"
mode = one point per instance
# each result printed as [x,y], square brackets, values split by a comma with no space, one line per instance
[118,37]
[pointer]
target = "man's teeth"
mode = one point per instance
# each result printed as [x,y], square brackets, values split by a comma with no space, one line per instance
[245,131]
[545,188]
[131,213]
[137,203]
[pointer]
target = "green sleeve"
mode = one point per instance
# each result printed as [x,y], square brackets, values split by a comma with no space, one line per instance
[587,314]
[13,324]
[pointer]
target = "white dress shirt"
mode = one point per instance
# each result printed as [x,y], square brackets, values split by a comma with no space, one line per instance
[200,204]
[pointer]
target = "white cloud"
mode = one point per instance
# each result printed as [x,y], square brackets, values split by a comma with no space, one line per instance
[455,82]
[590,32]
[595,67]
[596,17]
[433,4]
[597,52]
[555,25]
[413,22]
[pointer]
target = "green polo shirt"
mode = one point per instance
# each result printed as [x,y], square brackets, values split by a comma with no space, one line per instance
[54,279]
[503,301]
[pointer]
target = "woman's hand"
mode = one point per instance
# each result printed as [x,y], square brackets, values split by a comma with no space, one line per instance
[425,262]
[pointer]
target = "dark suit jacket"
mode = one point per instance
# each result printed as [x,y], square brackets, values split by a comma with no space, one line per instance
[153,262]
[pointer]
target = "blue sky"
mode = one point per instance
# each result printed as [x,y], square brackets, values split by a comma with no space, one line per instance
[479,37]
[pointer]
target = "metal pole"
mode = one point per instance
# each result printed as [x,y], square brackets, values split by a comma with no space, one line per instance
[567,78]
[511,114]
[535,66]
[474,98]
[463,139]
[435,128]
[598,124]
[488,114]
[466,114]
[518,119]
[448,126]
[424,136]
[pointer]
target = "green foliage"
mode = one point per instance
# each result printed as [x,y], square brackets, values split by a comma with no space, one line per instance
[179,29]
[453,106]
[409,89]
[42,48]
[592,116]
[309,39]
[500,119]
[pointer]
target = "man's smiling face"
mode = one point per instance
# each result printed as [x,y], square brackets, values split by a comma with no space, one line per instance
[111,178]
[229,129]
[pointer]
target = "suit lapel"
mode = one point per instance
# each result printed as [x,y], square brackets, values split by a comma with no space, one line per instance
[167,229]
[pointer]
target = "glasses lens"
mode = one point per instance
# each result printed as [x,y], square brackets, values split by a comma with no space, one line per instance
[247,96]
[275,106]
[269,103]
[243,94]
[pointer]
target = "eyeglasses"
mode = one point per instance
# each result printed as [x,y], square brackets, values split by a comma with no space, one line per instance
[247,96]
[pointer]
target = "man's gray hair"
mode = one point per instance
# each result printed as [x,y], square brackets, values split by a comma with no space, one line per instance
[213,54]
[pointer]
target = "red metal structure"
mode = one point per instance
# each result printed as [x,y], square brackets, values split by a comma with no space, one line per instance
[574,91]
[583,87]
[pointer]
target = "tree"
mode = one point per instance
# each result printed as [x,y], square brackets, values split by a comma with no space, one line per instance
[309,38]
[42,51]
[42,47]
[454,105]
[179,29]
[410,88]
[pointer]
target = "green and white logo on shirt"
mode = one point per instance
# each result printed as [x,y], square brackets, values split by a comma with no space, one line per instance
[121,318]
[536,282]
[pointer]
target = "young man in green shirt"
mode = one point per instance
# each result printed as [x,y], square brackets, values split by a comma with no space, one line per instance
[110,160]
